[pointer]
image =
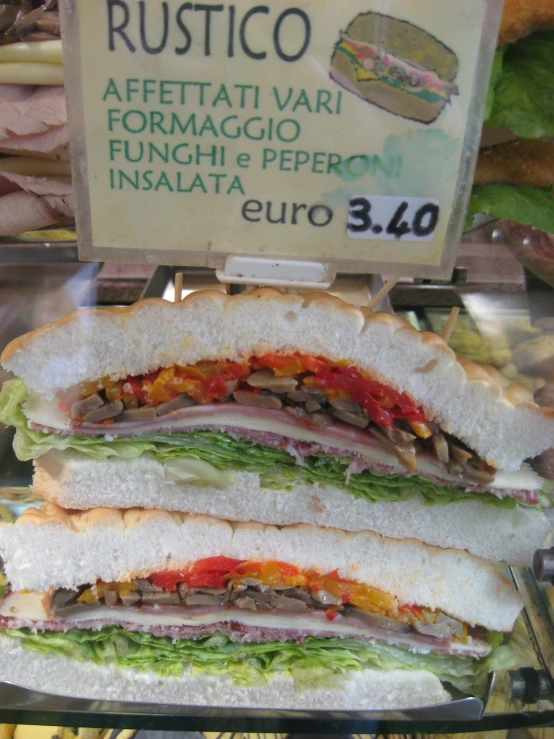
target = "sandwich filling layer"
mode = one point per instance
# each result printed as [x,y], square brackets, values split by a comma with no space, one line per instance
[284,417]
[220,613]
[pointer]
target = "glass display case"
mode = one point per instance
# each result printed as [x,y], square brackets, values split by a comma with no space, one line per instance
[504,311]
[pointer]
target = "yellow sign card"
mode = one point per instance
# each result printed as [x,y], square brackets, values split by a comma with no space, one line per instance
[315,129]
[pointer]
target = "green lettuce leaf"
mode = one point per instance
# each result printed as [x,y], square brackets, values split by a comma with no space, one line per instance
[253,663]
[277,468]
[533,206]
[496,74]
[521,96]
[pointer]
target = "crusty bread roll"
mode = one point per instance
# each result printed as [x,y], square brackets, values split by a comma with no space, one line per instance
[477,404]
[366,689]
[75,481]
[51,547]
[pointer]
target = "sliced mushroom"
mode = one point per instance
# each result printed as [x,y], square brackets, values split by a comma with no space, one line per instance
[251,582]
[312,406]
[456,627]
[110,410]
[244,601]
[202,599]
[299,594]
[299,396]
[74,608]
[255,400]
[288,604]
[440,445]
[130,599]
[182,401]
[398,436]
[258,597]
[130,402]
[376,619]
[265,379]
[209,591]
[138,414]
[316,393]
[86,405]
[459,454]
[456,469]
[147,587]
[405,453]
[346,406]
[351,418]
[327,598]
[63,598]
[110,597]
[438,630]
[162,599]
[319,419]
[477,476]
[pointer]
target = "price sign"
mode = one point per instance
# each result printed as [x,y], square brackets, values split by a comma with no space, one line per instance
[203,131]
[392,218]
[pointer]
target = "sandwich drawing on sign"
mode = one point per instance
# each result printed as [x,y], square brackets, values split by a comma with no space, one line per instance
[396,66]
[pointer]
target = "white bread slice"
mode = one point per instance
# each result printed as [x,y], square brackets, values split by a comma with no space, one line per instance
[74,481]
[366,690]
[477,404]
[50,547]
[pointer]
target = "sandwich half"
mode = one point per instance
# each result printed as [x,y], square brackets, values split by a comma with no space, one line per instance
[261,608]
[280,409]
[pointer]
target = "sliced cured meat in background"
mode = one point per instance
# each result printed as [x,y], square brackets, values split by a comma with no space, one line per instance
[30,203]
[51,144]
[26,110]
[33,122]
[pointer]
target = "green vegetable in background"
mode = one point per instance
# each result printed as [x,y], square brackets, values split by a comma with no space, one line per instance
[521,94]
[532,206]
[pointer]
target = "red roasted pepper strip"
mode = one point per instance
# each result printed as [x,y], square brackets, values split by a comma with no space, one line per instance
[383,404]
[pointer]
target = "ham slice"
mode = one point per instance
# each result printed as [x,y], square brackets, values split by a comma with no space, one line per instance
[30,203]
[51,144]
[33,122]
[27,110]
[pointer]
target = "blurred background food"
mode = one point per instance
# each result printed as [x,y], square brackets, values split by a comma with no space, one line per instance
[35,182]
[515,170]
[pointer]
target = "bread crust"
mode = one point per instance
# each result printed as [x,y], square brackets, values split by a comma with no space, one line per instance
[51,547]
[75,481]
[526,163]
[86,345]
[367,689]
[523,17]
[329,302]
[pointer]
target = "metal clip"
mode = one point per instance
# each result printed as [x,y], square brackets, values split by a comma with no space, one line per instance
[543,565]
